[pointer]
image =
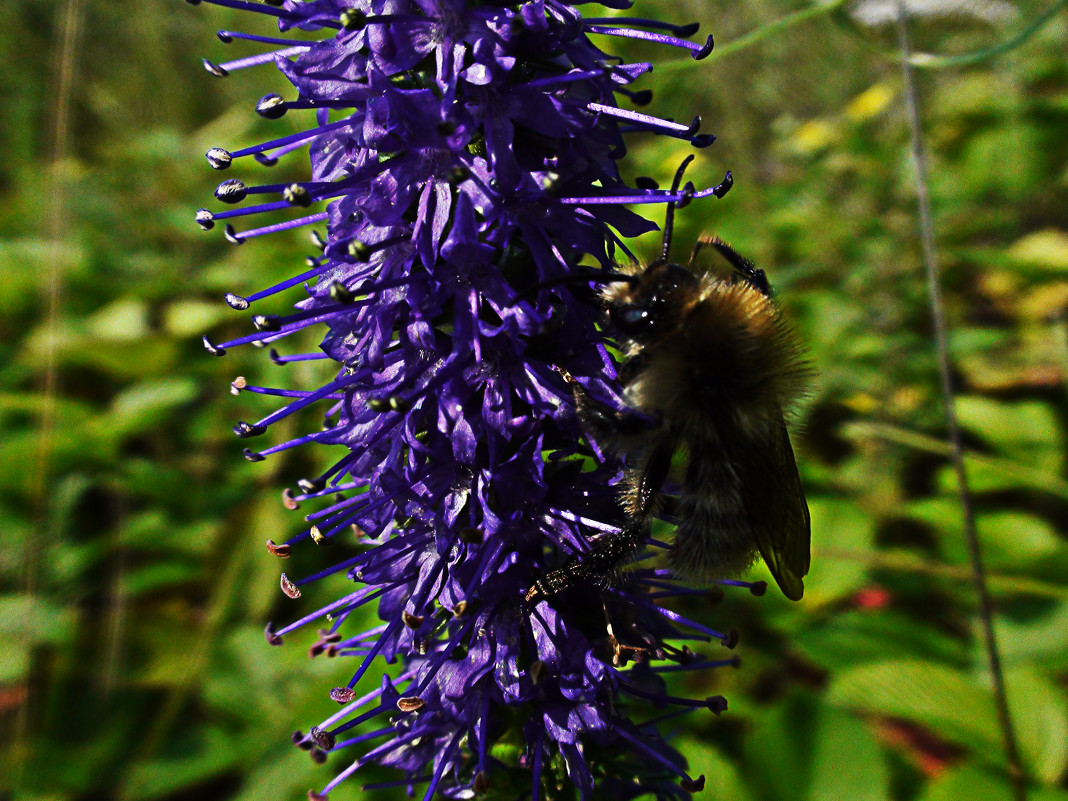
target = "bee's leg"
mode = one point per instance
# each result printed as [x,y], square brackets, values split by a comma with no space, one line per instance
[607,423]
[618,653]
[609,552]
[749,273]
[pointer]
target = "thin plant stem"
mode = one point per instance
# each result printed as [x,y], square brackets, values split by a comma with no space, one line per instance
[986,615]
[67,37]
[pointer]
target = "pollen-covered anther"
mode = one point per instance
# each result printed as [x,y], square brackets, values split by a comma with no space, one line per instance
[288,501]
[246,430]
[297,195]
[460,609]
[231,191]
[236,301]
[205,219]
[716,703]
[211,347]
[360,251]
[310,485]
[693,785]
[339,293]
[252,456]
[266,322]
[318,537]
[219,158]
[214,69]
[283,551]
[412,621]
[288,587]
[322,738]
[343,695]
[271,636]
[410,704]
[232,236]
[237,385]
[352,19]
[271,106]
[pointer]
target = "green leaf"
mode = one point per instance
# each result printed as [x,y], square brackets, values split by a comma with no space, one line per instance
[946,701]
[847,763]
[1040,719]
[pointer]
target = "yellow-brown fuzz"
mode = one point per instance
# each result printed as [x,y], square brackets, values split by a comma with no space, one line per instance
[720,370]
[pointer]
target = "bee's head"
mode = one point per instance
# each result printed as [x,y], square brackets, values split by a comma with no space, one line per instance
[643,307]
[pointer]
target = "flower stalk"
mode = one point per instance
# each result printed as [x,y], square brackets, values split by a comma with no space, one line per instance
[464,161]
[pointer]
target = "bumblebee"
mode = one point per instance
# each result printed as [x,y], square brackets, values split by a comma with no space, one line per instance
[710,367]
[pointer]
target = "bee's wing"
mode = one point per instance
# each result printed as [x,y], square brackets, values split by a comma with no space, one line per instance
[778,511]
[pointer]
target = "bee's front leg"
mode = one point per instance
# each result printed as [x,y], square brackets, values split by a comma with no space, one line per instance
[609,425]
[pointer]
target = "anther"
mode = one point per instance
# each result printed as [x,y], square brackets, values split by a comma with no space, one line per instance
[410,704]
[288,501]
[359,251]
[318,537]
[318,756]
[297,195]
[271,106]
[231,191]
[352,19]
[252,455]
[214,69]
[267,322]
[693,785]
[322,738]
[481,783]
[705,51]
[642,98]
[231,235]
[310,485]
[758,588]
[282,551]
[218,158]
[731,640]
[725,186]
[703,140]
[205,219]
[717,703]
[317,240]
[343,694]
[237,385]
[212,348]
[270,635]
[339,294]
[288,587]
[246,430]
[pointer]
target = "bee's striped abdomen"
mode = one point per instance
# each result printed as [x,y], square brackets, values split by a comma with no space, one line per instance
[713,538]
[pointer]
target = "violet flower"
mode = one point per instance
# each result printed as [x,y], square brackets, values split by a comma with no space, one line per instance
[463,159]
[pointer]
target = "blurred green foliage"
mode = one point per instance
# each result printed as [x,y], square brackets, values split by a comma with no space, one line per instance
[133,581]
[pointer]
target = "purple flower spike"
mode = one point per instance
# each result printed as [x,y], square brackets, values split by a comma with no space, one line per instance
[463,159]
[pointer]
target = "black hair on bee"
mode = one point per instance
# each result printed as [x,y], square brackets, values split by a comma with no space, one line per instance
[710,367]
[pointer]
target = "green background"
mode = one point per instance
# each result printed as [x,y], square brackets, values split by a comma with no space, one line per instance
[134,585]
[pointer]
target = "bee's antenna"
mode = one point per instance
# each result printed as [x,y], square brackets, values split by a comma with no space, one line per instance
[669,221]
[589,278]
